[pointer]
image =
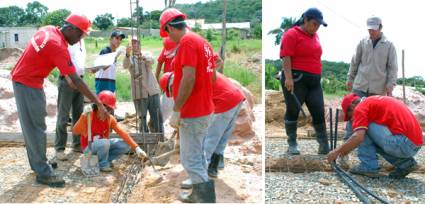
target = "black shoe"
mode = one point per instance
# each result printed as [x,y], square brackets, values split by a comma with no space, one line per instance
[322,138]
[221,162]
[212,168]
[52,181]
[402,173]
[201,193]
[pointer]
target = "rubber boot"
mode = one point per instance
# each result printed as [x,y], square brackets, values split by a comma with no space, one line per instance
[322,138]
[291,132]
[201,193]
[212,167]
[221,162]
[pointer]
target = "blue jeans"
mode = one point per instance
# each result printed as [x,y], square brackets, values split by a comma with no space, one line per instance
[193,132]
[220,131]
[102,84]
[396,149]
[108,150]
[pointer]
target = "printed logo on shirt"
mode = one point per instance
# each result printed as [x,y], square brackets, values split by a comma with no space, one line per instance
[36,37]
[209,55]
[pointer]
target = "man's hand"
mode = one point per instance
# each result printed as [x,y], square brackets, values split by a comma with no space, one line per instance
[332,156]
[70,83]
[389,90]
[349,86]
[175,120]
[128,51]
[289,84]
[87,109]
[102,113]
[140,153]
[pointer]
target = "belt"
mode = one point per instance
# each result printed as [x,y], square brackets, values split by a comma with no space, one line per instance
[63,77]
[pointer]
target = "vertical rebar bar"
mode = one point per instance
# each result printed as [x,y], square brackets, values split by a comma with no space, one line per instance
[330,129]
[336,128]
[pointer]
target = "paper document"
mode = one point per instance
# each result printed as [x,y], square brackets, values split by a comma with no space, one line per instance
[105,60]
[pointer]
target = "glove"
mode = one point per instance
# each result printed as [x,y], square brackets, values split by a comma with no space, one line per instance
[87,109]
[140,153]
[175,120]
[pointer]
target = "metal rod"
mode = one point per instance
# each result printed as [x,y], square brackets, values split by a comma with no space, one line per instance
[330,129]
[299,105]
[336,128]
[355,190]
[404,79]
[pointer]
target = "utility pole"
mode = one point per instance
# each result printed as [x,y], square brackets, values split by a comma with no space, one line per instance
[223,35]
[404,79]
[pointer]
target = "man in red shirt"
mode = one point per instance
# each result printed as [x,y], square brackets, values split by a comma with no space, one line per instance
[46,50]
[192,92]
[383,125]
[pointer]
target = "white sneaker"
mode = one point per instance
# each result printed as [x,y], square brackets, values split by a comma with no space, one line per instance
[60,155]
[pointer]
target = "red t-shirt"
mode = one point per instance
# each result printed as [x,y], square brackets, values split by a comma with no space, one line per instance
[167,54]
[226,95]
[46,50]
[194,51]
[305,50]
[389,112]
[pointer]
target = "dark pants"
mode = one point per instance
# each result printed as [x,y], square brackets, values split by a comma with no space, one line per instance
[31,104]
[68,98]
[308,90]
[153,105]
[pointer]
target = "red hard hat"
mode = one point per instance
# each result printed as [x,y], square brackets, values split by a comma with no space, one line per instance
[166,16]
[79,21]
[346,102]
[108,98]
[164,81]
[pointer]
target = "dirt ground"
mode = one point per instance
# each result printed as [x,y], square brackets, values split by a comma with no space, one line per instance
[238,182]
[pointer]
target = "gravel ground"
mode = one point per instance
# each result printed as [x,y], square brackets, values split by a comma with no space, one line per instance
[325,187]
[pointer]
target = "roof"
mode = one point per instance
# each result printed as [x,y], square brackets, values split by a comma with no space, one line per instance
[218,26]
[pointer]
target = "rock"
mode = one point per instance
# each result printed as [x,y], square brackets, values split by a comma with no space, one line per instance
[392,193]
[325,182]
[414,100]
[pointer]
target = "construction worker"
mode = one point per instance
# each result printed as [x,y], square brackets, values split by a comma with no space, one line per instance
[69,98]
[144,87]
[382,125]
[47,49]
[228,100]
[300,52]
[193,105]
[107,149]
[164,63]
[105,78]
[373,68]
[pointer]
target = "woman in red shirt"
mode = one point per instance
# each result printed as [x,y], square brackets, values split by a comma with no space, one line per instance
[300,53]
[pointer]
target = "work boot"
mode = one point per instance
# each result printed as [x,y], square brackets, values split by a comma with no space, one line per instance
[322,138]
[212,167]
[291,132]
[399,173]
[221,162]
[364,172]
[61,156]
[52,181]
[186,184]
[201,193]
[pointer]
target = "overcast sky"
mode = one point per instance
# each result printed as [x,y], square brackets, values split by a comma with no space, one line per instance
[92,8]
[402,24]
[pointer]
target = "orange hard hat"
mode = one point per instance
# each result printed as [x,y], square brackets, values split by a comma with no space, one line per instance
[79,21]
[164,82]
[167,16]
[108,98]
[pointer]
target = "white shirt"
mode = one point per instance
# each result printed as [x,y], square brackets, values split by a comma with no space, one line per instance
[78,56]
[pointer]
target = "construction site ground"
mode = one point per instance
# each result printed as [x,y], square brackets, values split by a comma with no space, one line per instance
[238,182]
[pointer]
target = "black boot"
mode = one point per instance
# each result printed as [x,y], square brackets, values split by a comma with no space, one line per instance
[291,132]
[52,181]
[221,162]
[322,138]
[201,193]
[212,167]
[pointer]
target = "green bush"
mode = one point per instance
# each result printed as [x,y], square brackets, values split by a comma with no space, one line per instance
[271,81]
[238,73]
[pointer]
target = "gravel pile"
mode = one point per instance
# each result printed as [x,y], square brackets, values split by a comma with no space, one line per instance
[325,187]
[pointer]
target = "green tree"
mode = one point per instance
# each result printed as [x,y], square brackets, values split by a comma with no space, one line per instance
[11,16]
[56,18]
[257,31]
[284,26]
[155,14]
[104,21]
[124,22]
[34,12]
[139,15]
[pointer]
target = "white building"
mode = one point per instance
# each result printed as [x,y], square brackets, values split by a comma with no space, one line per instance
[16,37]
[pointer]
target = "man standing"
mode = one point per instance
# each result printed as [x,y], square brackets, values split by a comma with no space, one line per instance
[382,125]
[144,88]
[69,98]
[105,78]
[373,69]
[46,50]
[192,93]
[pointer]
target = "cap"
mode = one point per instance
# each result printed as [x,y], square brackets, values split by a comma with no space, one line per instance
[80,21]
[373,23]
[117,33]
[316,14]
[346,102]
[167,16]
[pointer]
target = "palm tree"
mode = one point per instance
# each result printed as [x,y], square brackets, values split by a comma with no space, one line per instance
[284,26]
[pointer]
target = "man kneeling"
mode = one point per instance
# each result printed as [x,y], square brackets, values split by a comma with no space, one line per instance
[105,148]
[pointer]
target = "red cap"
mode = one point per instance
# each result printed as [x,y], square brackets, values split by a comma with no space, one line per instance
[108,98]
[79,21]
[346,102]
[167,16]
[164,82]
